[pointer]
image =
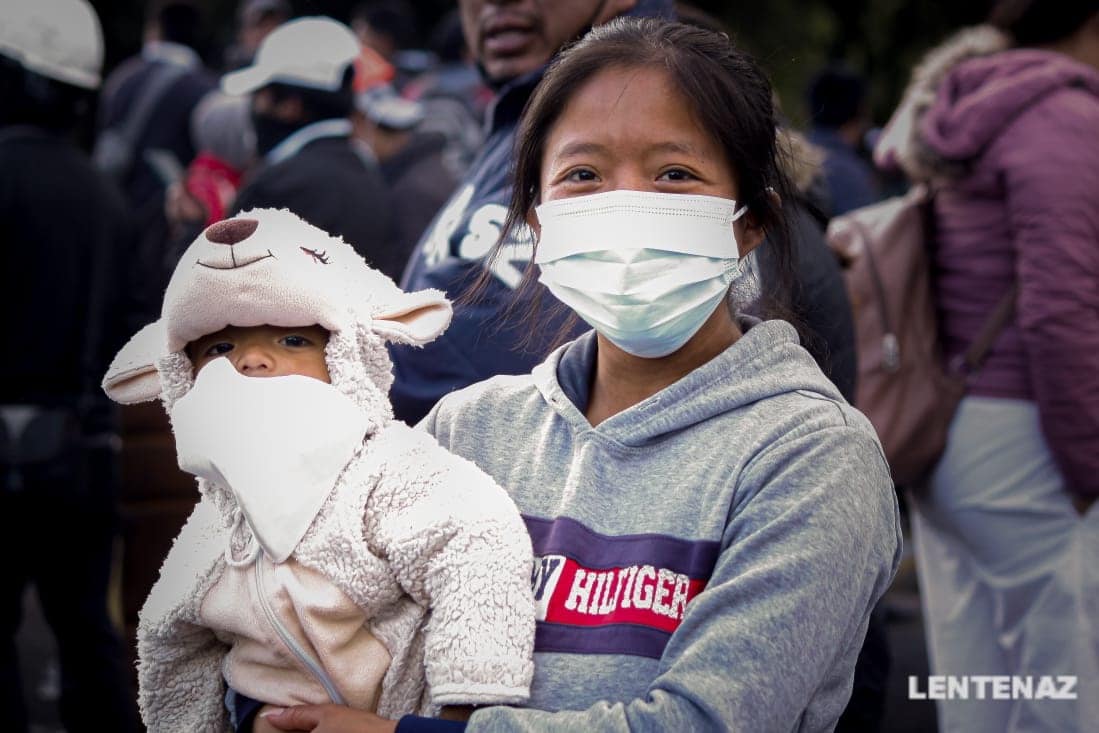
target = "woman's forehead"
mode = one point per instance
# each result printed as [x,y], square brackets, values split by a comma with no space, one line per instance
[628,110]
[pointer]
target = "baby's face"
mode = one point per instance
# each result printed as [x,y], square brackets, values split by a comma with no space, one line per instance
[265,351]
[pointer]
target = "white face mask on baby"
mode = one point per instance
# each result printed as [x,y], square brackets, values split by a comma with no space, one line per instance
[278,443]
[644,269]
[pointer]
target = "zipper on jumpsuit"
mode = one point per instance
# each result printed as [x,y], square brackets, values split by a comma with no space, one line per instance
[311,663]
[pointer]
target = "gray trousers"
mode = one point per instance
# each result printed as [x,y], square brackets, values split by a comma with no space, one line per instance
[1009,572]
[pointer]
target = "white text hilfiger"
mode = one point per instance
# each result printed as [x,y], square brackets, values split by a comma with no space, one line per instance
[601,592]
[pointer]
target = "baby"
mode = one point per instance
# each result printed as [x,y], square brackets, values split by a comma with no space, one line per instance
[336,554]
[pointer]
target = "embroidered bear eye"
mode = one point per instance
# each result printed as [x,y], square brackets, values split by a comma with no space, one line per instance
[321,257]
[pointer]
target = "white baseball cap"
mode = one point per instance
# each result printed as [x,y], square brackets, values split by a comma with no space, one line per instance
[310,52]
[61,39]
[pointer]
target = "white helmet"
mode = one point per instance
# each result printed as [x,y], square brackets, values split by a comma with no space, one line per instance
[61,39]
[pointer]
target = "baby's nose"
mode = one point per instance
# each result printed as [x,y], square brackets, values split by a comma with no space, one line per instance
[231,231]
[251,361]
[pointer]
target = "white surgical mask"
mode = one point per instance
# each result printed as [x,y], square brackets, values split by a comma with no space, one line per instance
[277,443]
[644,269]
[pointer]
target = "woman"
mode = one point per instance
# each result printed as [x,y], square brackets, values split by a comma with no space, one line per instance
[1007,127]
[712,523]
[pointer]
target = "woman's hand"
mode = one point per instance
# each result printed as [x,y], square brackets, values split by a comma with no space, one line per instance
[260,723]
[322,719]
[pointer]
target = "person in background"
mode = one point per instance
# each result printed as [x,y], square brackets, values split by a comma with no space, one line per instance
[255,20]
[301,101]
[72,282]
[453,93]
[222,132]
[412,161]
[512,43]
[389,28]
[143,135]
[1003,121]
[839,119]
[684,581]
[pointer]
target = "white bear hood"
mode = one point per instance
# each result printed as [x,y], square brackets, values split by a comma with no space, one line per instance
[268,266]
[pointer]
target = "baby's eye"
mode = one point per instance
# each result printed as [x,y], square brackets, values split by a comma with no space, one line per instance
[676,174]
[221,347]
[295,341]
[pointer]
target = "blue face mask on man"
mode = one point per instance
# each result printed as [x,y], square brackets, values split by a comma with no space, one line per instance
[644,269]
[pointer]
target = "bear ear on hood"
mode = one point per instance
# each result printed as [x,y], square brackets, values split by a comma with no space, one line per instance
[132,376]
[415,318]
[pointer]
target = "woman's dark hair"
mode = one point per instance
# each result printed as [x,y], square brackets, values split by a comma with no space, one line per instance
[729,96]
[1038,22]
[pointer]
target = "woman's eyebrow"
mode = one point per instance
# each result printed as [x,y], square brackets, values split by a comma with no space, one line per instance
[592,148]
[672,146]
[581,148]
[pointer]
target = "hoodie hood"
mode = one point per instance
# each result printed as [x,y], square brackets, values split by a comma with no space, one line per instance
[901,146]
[765,362]
[963,94]
[981,97]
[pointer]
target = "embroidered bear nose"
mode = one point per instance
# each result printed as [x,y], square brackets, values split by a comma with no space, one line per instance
[232,231]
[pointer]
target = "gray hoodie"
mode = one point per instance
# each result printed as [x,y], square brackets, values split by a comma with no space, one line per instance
[706,559]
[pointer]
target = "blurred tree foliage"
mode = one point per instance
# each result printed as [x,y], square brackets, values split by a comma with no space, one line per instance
[882,39]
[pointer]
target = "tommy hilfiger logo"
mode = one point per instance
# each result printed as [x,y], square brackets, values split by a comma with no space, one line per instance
[612,594]
[638,594]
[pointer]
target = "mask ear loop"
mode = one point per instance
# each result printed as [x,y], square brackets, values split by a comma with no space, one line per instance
[734,266]
[253,549]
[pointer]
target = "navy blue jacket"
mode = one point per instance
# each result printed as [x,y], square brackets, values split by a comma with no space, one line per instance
[450,256]
[488,336]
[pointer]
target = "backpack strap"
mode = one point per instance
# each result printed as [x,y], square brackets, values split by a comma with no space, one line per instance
[969,361]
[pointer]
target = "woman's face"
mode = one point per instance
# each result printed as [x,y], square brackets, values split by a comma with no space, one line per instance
[632,129]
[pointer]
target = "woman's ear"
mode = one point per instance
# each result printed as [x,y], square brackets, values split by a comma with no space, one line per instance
[749,233]
[416,318]
[132,376]
[533,223]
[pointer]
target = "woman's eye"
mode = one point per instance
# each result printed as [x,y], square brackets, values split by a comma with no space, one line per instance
[580,175]
[295,341]
[222,347]
[676,174]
